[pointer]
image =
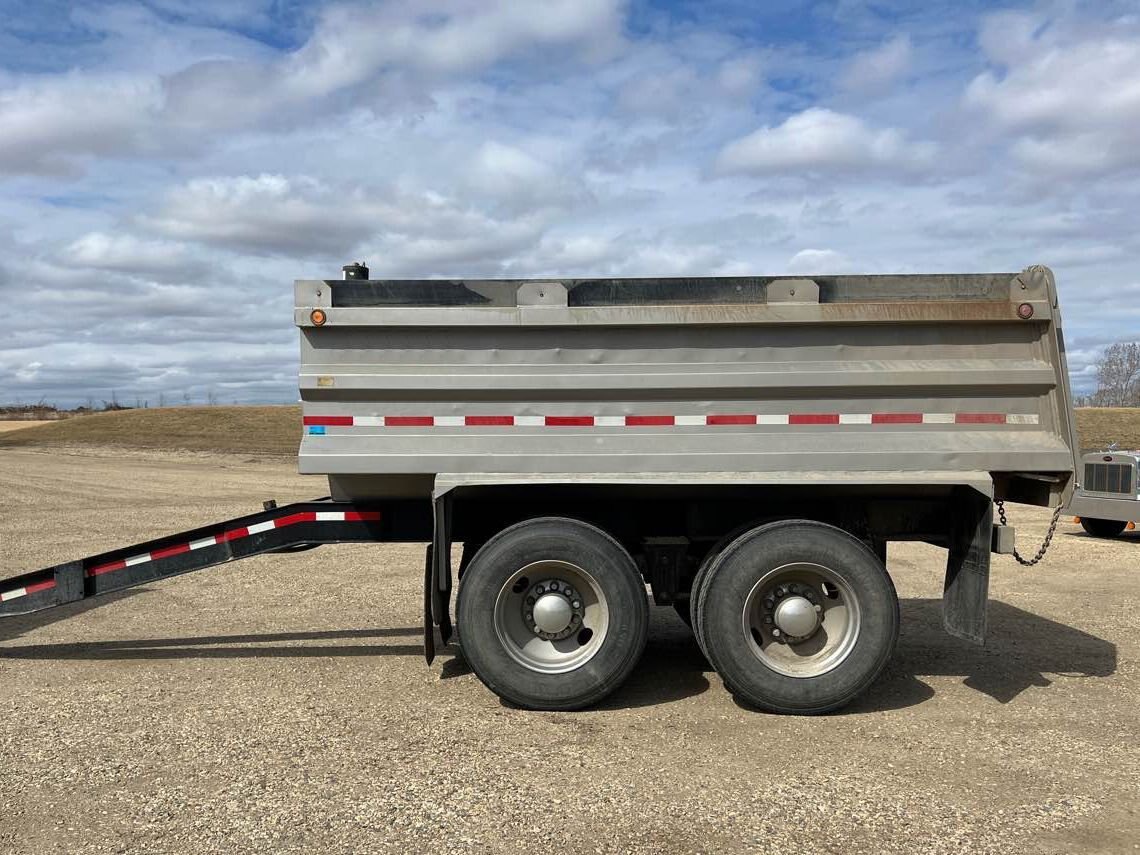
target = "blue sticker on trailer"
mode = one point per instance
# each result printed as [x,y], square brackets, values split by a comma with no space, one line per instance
[316,430]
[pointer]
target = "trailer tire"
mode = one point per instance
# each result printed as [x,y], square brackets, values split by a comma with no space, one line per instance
[702,576]
[571,571]
[830,593]
[1103,528]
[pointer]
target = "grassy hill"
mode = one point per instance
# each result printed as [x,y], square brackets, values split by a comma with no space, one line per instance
[277,430]
[236,430]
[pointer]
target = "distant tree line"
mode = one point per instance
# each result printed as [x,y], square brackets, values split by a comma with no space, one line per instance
[1117,377]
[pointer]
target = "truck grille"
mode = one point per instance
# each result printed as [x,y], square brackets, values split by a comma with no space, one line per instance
[1108,478]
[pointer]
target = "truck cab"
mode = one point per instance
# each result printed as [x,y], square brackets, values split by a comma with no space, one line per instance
[1107,499]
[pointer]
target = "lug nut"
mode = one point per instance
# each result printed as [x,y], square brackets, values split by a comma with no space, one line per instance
[775,632]
[576,605]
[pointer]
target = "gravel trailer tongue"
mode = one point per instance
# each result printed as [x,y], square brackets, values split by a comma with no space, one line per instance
[745,447]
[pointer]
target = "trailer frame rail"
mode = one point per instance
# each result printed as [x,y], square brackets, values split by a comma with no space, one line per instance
[276,529]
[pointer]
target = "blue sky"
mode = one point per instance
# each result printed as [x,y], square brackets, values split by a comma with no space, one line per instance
[167,168]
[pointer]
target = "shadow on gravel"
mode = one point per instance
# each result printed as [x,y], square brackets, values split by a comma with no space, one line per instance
[14,627]
[213,646]
[1021,649]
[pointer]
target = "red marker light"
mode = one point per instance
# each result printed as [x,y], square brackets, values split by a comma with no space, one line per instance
[1025,311]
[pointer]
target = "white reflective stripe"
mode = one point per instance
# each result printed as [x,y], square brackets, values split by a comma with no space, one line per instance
[938,418]
[609,421]
[449,421]
[257,528]
[203,543]
[689,420]
[530,421]
[1022,419]
[137,559]
[12,595]
[772,419]
[368,421]
[330,516]
[854,418]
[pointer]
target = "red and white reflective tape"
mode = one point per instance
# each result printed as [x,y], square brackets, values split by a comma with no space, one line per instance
[27,589]
[236,534]
[711,419]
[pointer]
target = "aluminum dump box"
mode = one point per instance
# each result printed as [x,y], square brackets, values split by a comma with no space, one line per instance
[406,380]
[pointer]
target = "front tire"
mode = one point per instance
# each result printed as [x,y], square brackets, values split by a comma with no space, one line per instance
[1102,528]
[553,614]
[797,617]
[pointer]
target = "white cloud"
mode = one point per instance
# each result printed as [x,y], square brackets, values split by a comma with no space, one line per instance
[877,69]
[821,261]
[819,139]
[46,123]
[1070,100]
[129,254]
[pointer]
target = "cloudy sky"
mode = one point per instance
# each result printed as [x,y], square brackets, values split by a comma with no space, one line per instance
[168,168]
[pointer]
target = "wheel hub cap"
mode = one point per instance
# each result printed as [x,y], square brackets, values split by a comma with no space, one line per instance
[796,616]
[553,610]
[552,613]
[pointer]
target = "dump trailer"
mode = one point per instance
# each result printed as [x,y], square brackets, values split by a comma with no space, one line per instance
[743,447]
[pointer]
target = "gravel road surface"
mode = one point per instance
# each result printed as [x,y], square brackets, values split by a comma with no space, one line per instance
[282,705]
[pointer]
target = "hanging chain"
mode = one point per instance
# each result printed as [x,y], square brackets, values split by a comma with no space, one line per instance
[1029,562]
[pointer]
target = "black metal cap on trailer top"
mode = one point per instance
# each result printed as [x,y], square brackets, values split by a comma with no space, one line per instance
[356,270]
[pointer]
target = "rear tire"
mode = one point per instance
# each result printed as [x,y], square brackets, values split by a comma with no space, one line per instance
[1102,528]
[833,598]
[554,614]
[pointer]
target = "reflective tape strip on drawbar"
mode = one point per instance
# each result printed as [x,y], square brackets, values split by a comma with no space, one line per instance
[235,534]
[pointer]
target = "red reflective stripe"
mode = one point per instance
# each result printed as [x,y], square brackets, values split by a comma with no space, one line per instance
[169,551]
[107,568]
[293,519]
[649,421]
[39,586]
[409,421]
[730,419]
[813,419]
[980,418]
[328,421]
[896,418]
[234,534]
[569,421]
[361,516]
[488,421]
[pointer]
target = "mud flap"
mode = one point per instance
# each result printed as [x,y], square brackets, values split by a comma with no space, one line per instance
[968,565]
[437,578]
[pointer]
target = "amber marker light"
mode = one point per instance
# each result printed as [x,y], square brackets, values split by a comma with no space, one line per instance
[318,317]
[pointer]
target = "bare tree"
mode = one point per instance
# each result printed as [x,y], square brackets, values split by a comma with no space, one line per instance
[1118,376]
[212,398]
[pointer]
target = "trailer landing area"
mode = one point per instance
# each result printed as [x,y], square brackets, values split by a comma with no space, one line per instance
[281,704]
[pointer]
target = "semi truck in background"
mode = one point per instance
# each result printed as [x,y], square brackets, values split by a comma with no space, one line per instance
[740,449]
[1107,499]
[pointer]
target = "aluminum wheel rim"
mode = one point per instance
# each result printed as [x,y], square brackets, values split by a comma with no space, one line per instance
[838,615]
[542,655]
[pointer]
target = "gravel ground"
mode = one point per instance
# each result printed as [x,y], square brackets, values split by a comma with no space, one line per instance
[282,704]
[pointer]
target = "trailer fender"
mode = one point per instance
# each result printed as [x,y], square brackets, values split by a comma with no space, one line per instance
[967,582]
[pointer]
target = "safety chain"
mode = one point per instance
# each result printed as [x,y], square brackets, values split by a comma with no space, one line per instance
[1029,562]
